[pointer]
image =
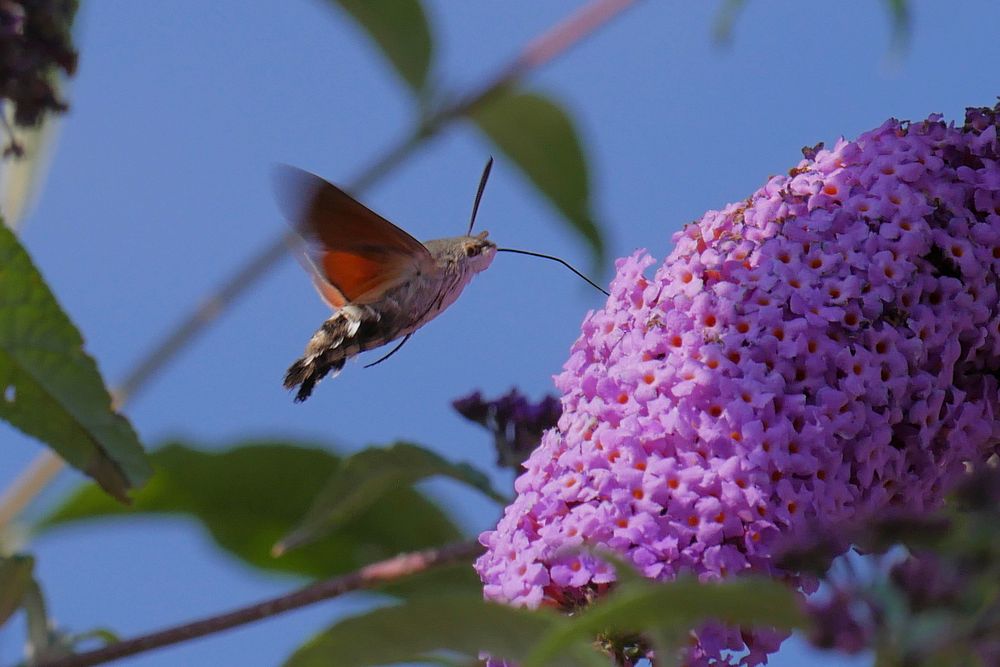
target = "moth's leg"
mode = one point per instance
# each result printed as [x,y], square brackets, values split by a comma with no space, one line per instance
[392,352]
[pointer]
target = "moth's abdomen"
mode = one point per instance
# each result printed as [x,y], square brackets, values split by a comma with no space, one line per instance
[349,332]
[356,328]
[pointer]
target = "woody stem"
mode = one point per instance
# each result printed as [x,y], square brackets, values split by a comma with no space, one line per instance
[369,576]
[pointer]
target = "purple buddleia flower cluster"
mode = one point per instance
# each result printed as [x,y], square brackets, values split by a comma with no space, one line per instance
[516,423]
[820,352]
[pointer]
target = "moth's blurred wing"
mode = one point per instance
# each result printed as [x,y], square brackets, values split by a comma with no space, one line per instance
[351,249]
[330,294]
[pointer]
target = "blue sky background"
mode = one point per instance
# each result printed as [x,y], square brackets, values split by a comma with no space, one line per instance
[160,186]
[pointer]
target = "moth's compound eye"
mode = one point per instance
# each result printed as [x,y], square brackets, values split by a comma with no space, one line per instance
[472,250]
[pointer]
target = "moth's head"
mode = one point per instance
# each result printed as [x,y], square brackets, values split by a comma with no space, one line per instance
[477,252]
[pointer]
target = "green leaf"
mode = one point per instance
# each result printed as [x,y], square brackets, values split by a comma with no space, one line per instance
[458,624]
[50,388]
[675,606]
[364,478]
[468,661]
[104,636]
[400,29]
[44,641]
[899,12]
[15,577]
[539,137]
[725,19]
[451,579]
[249,496]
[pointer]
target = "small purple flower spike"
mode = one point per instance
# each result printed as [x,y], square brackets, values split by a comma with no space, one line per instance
[516,423]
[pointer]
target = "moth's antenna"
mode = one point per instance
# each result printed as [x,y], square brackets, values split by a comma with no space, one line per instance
[479,194]
[561,261]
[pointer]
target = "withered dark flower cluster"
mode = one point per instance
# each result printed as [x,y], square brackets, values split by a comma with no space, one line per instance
[35,43]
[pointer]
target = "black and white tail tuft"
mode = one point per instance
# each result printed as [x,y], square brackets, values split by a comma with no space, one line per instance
[350,331]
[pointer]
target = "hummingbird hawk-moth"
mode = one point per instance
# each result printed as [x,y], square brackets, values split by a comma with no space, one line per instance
[383,283]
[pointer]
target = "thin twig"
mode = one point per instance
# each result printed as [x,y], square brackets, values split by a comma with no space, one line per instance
[29,484]
[543,49]
[369,576]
